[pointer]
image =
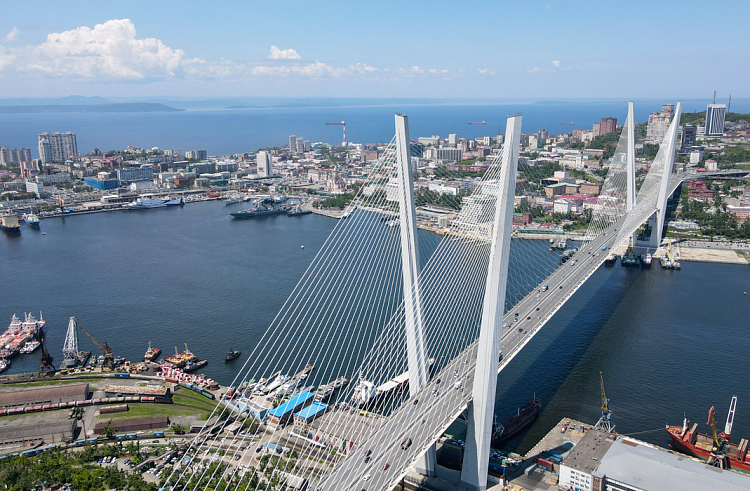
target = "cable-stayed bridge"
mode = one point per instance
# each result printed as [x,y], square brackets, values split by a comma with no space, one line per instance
[372,308]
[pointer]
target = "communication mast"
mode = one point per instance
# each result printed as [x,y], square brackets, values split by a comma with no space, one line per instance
[70,348]
[605,421]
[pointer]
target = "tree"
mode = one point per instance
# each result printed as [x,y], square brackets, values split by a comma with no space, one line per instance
[178,429]
[109,432]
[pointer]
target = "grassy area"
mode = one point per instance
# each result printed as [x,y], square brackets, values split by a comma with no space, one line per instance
[151,410]
[744,255]
[42,383]
[198,401]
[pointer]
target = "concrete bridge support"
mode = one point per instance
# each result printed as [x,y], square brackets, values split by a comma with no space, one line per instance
[482,408]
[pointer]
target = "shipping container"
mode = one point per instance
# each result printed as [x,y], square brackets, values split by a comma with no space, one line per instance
[546,464]
[159,434]
[132,436]
[122,375]
[529,469]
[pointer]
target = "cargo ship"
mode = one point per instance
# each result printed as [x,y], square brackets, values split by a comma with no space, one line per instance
[9,223]
[646,260]
[512,426]
[151,353]
[258,211]
[150,201]
[31,220]
[296,211]
[716,449]
[19,334]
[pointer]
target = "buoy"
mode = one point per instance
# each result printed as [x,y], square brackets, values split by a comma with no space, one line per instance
[744,293]
[302,247]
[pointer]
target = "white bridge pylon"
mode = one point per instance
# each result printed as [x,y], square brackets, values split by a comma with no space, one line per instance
[482,408]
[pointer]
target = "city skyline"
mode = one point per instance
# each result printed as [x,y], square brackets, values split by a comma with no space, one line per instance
[534,50]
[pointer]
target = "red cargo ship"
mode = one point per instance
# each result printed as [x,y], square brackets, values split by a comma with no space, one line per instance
[716,448]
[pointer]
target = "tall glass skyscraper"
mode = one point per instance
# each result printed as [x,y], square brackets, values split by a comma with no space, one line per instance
[715,114]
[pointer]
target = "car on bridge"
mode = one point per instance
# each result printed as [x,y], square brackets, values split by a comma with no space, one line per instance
[406,443]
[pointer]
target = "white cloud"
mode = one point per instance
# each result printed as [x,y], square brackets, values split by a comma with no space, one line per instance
[556,63]
[566,69]
[283,54]
[12,35]
[534,70]
[109,51]
[485,71]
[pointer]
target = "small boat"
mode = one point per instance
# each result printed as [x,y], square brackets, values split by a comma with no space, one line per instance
[192,366]
[231,201]
[151,353]
[30,347]
[4,364]
[233,353]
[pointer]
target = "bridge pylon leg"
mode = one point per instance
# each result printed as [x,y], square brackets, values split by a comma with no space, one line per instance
[670,140]
[631,192]
[415,348]
[482,407]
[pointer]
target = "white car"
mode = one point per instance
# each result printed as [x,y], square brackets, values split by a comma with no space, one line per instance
[366,477]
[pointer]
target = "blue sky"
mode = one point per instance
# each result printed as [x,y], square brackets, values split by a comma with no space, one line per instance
[501,49]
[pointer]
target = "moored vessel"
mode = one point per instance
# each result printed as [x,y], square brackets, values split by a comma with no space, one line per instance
[31,220]
[298,211]
[629,259]
[192,366]
[180,360]
[716,448]
[151,353]
[646,260]
[9,223]
[150,201]
[610,260]
[512,426]
[4,364]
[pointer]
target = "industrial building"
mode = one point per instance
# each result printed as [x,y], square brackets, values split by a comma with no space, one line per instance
[605,462]
[59,431]
[306,416]
[44,395]
[281,414]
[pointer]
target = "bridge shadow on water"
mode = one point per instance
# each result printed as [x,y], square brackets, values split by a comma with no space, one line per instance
[544,366]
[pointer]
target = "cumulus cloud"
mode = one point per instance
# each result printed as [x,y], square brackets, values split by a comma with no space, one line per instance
[283,54]
[12,35]
[556,63]
[109,51]
[485,71]
[534,70]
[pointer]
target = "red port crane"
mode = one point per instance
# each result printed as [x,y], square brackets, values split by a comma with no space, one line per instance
[343,123]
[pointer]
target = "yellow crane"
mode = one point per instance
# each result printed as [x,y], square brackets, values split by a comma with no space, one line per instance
[106,350]
[605,420]
[717,457]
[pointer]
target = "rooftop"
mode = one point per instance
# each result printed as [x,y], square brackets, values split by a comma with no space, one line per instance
[648,467]
[587,455]
[291,404]
[312,410]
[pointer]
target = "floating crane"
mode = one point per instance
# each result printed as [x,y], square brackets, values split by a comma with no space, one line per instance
[605,421]
[106,350]
[46,366]
[343,123]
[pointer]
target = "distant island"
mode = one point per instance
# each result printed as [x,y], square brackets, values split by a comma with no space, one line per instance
[128,107]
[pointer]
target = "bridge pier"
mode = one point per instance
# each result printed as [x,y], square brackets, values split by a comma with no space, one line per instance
[631,192]
[670,140]
[482,407]
[415,349]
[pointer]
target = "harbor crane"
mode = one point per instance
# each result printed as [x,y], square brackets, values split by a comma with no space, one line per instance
[720,448]
[105,349]
[343,124]
[605,421]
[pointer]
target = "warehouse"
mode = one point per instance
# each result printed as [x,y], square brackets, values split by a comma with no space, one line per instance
[60,431]
[44,395]
[160,394]
[134,425]
[283,413]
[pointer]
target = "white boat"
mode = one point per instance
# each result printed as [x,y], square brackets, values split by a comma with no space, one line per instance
[30,347]
[276,382]
[150,201]
[4,364]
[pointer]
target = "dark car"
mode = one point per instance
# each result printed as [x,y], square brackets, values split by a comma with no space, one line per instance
[368,453]
[405,444]
[385,466]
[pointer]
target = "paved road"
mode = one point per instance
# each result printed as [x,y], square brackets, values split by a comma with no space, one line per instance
[426,416]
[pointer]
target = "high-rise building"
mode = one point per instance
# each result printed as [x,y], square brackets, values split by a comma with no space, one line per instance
[451,154]
[607,125]
[658,124]
[715,114]
[292,143]
[14,155]
[688,136]
[196,154]
[265,164]
[57,147]
[596,129]
[452,139]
